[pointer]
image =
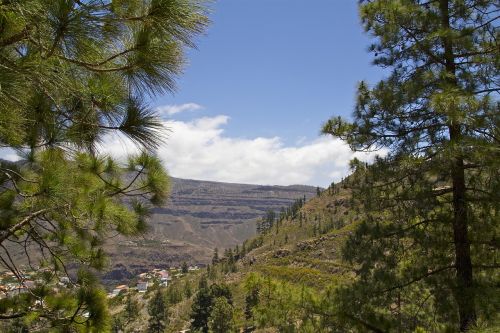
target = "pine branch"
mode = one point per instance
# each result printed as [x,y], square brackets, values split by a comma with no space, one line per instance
[4,234]
[23,34]
[414,280]
[13,316]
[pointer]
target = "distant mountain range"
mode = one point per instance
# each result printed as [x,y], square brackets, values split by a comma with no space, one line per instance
[198,217]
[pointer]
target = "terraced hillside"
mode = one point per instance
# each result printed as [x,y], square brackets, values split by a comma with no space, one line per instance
[296,259]
[198,217]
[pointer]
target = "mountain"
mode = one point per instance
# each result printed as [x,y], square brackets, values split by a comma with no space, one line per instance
[290,278]
[198,217]
[284,279]
[297,258]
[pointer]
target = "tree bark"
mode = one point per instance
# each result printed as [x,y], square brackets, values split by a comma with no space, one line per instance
[465,290]
[464,294]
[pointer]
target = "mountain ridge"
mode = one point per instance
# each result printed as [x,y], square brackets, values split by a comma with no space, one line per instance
[198,217]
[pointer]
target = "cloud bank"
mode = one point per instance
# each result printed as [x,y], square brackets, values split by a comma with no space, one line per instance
[198,149]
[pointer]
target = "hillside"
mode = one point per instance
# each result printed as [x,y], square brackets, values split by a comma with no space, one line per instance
[294,265]
[299,255]
[303,252]
[285,279]
[198,217]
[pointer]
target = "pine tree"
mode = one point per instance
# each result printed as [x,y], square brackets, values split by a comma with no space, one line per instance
[204,301]
[188,292]
[174,293]
[243,249]
[251,300]
[221,316]
[200,310]
[221,290]
[157,310]
[215,258]
[117,324]
[432,202]
[131,309]
[71,73]
[184,268]
[230,261]
[237,253]
[18,326]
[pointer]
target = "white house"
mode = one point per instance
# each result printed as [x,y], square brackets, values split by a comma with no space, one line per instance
[142,286]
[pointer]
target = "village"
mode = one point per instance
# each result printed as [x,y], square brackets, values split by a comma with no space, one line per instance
[14,284]
[161,277]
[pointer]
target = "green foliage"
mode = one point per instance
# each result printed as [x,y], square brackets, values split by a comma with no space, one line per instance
[423,249]
[132,308]
[158,313]
[117,324]
[72,73]
[188,291]
[215,258]
[228,262]
[253,243]
[273,303]
[200,310]
[251,301]
[184,268]
[174,293]
[17,326]
[221,316]
[203,303]
[271,219]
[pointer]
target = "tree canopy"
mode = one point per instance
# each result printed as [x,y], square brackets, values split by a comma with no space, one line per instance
[71,73]
[158,313]
[426,250]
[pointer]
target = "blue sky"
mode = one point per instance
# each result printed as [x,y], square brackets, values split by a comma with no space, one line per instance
[265,77]
[276,67]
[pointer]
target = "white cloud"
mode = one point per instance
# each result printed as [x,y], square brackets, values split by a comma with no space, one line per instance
[168,110]
[199,149]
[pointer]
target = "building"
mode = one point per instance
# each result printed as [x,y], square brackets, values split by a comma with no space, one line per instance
[164,277]
[142,286]
[119,289]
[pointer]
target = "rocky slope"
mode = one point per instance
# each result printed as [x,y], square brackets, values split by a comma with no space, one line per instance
[198,217]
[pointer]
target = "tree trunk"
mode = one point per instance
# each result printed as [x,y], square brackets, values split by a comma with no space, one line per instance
[463,265]
[464,294]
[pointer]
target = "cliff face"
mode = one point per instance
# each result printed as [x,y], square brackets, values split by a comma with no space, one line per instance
[198,217]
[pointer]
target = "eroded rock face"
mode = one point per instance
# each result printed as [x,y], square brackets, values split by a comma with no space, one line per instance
[198,217]
[211,214]
[118,273]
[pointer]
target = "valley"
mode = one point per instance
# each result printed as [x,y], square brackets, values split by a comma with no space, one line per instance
[198,217]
